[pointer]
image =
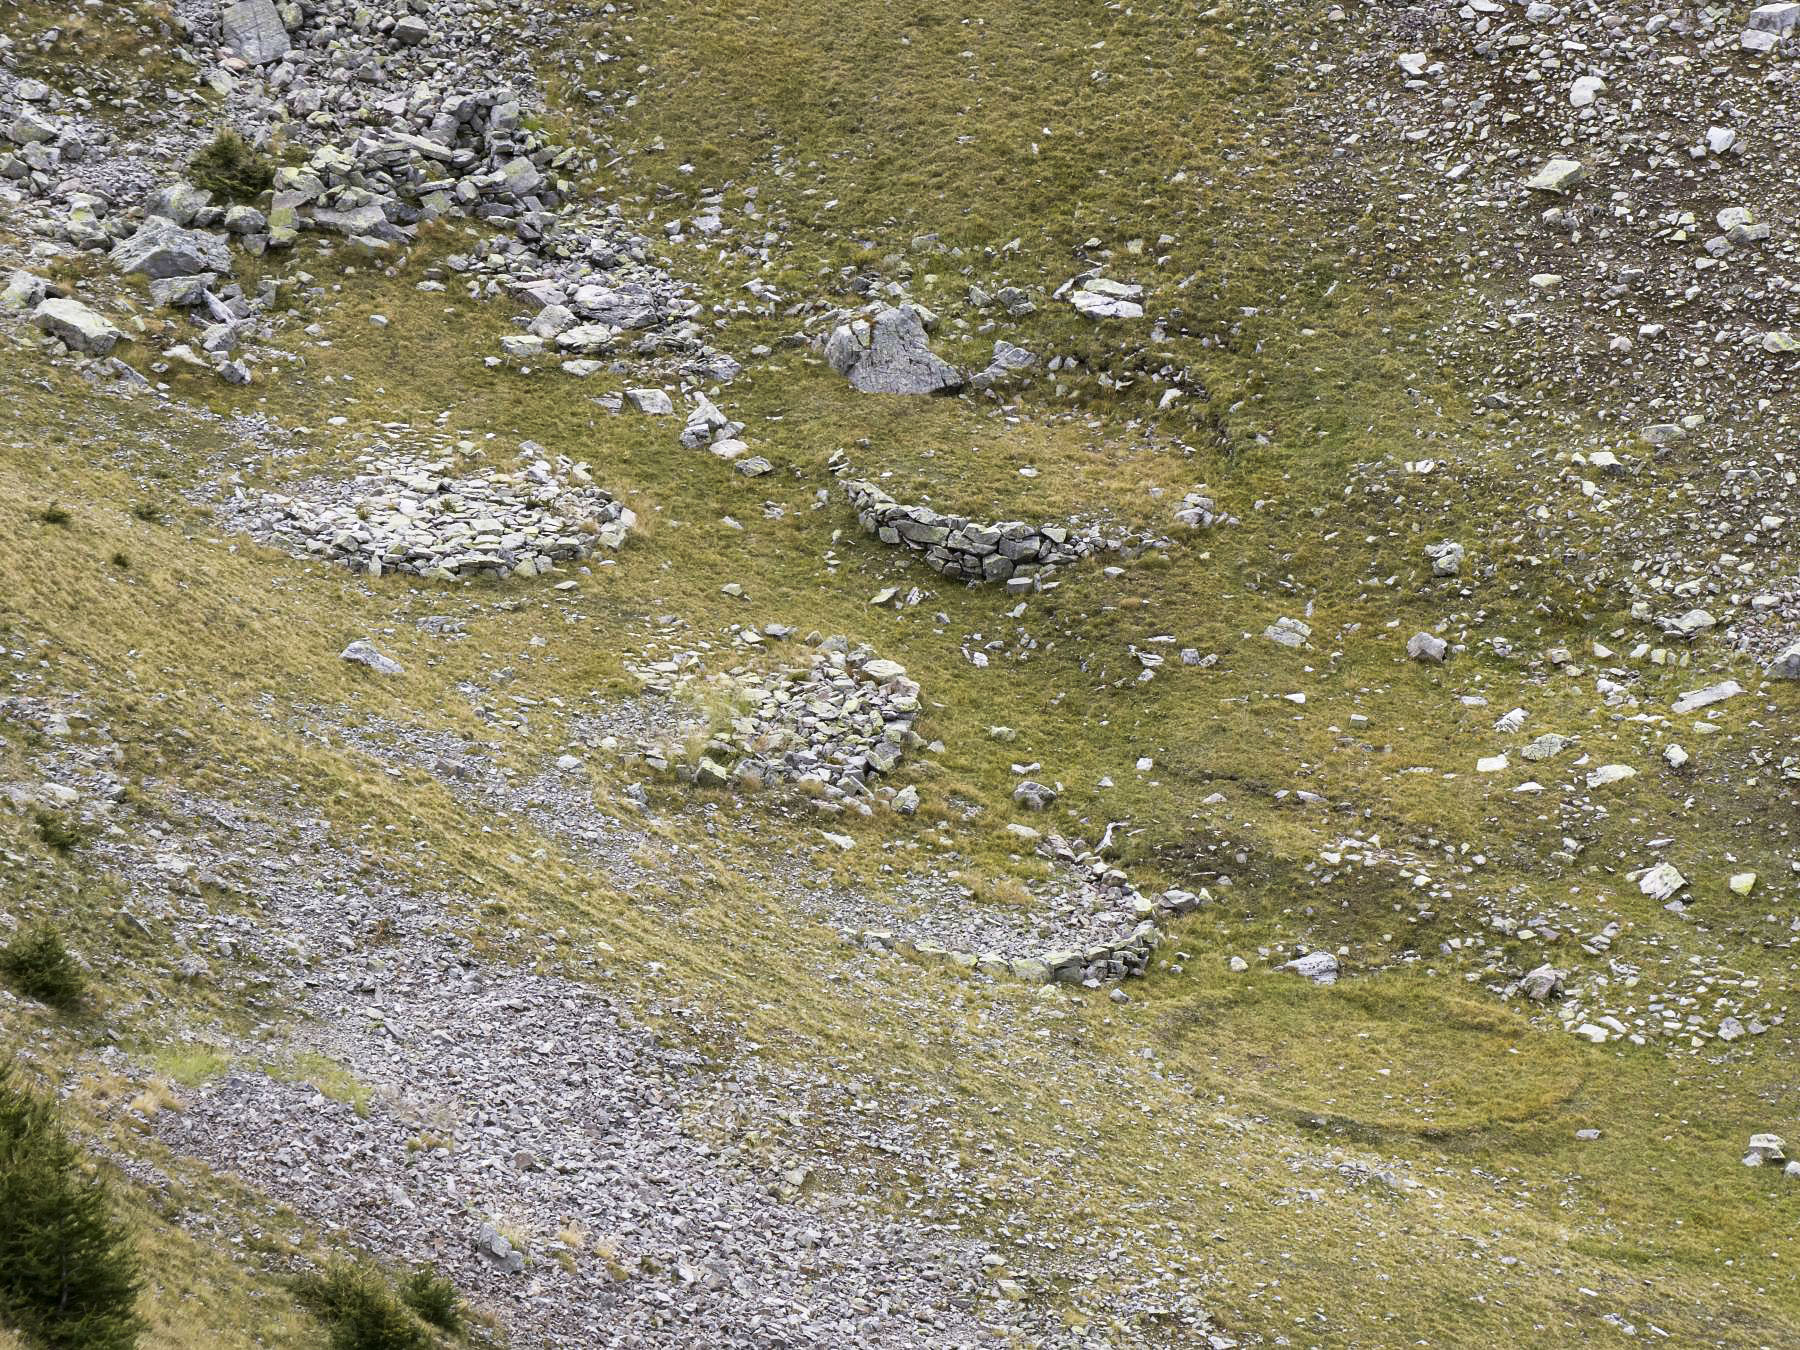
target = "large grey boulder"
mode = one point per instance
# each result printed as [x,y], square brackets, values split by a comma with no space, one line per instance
[364,653]
[76,326]
[253,29]
[1780,19]
[628,306]
[1786,665]
[178,202]
[32,128]
[23,291]
[889,355]
[161,248]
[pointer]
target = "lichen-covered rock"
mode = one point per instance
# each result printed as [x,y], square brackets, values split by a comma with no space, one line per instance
[76,326]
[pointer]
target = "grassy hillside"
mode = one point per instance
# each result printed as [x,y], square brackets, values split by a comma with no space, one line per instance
[1389,1160]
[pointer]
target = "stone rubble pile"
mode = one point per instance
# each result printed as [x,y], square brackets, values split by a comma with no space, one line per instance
[406,514]
[836,723]
[1097,297]
[405,117]
[964,550]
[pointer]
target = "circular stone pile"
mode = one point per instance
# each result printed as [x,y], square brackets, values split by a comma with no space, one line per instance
[408,515]
[840,720]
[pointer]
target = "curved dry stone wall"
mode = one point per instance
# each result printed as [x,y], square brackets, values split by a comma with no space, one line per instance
[411,515]
[1108,930]
[965,550]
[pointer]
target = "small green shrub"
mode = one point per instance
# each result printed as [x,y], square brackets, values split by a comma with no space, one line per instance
[55,514]
[433,1297]
[359,1311]
[228,167]
[38,965]
[68,1271]
[148,512]
[120,561]
[59,833]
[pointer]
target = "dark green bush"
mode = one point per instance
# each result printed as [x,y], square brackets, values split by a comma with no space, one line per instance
[433,1297]
[55,514]
[228,167]
[359,1311]
[38,965]
[68,1271]
[61,834]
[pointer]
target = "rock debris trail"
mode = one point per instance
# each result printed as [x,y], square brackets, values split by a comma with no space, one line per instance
[570,1168]
[570,1171]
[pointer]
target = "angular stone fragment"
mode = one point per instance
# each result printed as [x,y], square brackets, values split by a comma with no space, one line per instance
[1661,881]
[364,653]
[1319,967]
[1559,175]
[1765,1148]
[1541,984]
[651,401]
[1696,699]
[1426,647]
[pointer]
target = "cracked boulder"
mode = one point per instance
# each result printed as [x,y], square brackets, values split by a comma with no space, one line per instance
[162,249]
[254,30]
[889,355]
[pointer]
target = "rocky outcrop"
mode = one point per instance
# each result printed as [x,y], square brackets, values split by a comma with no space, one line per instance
[889,354]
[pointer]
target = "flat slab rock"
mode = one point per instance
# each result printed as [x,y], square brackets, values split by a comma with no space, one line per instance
[254,30]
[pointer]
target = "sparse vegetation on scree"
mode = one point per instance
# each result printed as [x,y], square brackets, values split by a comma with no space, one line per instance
[993,674]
